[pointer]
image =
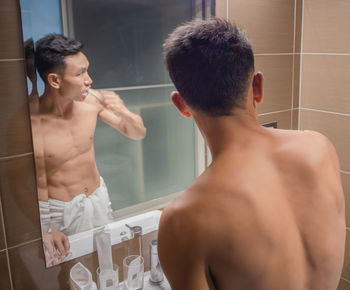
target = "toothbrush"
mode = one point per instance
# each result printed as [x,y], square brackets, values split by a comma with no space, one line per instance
[95,95]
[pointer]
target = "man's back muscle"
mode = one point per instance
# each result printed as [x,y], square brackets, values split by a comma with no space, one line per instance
[266,217]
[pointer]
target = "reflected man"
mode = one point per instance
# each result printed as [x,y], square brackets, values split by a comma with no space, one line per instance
[69,184]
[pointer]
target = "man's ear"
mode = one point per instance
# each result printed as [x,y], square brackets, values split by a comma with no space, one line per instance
[180,104]
[258,87]
[54,80]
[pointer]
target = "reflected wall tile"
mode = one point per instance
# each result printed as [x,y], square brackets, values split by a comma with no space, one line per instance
[326,83]
[283,119]
[296,81]
[15,134]
[19,199]
[4,272]
[343,285]
[11,19]
[331,33]
[346,187]
[277,71]
[346,267]
[335,127]
[269,24]
[221,9]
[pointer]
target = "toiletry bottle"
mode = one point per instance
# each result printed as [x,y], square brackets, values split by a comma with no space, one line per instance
[157,275]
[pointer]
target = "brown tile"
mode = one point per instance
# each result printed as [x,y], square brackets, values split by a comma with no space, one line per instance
[283,119]
[332,73]
[295,119]
[11,30]
[221,9]
[30,271]
[269,24]
[298,25]
[325,26]
[2,230]
[296,80]
[335,127]
[15,133]
[346,187]
[343,285]
[19,199]
[5,282]
[346,267]
[277,71]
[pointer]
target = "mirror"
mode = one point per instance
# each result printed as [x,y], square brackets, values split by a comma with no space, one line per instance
[95,163]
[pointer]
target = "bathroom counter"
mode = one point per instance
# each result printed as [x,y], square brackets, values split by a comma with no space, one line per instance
[148,286]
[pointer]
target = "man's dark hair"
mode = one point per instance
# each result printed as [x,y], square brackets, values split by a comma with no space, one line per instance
[210,63]
[50,52]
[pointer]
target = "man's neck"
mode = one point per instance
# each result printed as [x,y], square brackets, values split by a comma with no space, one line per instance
[52,102]
[225,132]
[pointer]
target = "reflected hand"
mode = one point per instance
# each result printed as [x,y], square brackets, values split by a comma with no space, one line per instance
[113,102]
[61,243]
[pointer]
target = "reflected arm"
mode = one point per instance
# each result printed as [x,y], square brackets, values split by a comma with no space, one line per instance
[117,115]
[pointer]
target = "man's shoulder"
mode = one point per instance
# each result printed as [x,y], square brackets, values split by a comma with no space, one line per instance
[307,147]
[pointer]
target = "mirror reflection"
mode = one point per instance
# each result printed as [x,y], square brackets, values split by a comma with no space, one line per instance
[101,82]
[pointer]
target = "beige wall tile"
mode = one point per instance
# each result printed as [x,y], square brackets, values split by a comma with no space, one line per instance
[346,267]
[19,199]
[283,119]
[326,26]
[15,136]
[326,83]
[335,127]
[221,9]
[343,285]
[296,81]
[269,24]
[298,25]
[295,119]
[4,272]
[11,35]
[277,71]
[346,187]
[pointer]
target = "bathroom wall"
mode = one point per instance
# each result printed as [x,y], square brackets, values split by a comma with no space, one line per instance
[271,26]
[325,86]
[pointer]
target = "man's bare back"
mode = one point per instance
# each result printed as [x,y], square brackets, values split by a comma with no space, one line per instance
[266,214]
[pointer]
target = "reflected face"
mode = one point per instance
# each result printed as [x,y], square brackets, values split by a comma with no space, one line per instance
[75,81]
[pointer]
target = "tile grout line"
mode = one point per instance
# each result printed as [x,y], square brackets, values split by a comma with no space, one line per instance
[273,54]
[16,156]
[301,62]
[342,278]
[326,53]
[326,112]
[24,243]
[293,67]
[274,112]
[6,248]
[345,172]
[11,59]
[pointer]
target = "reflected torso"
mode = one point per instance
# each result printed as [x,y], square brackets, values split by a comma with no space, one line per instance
[64,152]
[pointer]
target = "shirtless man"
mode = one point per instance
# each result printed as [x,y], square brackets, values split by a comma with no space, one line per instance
[70,188]
[268,213]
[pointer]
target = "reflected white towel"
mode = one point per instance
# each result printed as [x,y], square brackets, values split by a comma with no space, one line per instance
[44,215]
[82,212]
